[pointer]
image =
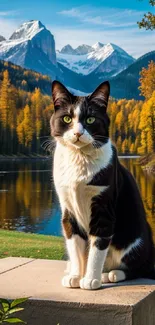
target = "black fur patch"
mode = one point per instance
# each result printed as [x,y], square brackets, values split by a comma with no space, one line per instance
[102,243]
[119,212]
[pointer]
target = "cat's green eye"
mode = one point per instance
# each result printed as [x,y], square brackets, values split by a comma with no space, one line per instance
[67,119]
[90,120]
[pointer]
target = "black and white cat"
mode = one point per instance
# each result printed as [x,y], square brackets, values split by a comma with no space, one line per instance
[107,236]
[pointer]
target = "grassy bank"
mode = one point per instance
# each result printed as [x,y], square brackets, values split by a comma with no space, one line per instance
[13,243]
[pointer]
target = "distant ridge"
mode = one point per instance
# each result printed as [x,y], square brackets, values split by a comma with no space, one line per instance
[32,46]
[126,83]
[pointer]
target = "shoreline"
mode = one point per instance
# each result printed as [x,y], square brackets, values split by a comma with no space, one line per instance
[13,158]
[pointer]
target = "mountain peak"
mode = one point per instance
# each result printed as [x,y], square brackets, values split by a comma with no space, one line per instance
[28,30]
[83,49]
[80,50]
[97,46]
[114,47]
[67,49]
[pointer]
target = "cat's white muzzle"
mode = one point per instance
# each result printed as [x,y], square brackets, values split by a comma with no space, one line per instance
[71,139]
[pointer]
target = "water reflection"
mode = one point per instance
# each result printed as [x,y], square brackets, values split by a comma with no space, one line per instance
[28,201]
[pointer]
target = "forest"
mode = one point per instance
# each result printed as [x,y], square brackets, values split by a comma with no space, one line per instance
[25,115]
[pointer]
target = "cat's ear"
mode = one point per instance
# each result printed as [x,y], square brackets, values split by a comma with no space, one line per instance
[60,94]
[101,94]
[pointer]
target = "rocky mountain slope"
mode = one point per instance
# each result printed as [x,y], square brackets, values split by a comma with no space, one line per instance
[32,46]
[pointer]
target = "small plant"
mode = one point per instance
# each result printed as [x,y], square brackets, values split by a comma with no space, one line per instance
[8,308]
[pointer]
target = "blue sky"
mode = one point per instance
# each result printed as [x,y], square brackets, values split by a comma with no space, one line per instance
[83,22]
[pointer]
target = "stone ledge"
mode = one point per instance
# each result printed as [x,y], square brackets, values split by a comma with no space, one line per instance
[131,302]
[10,263]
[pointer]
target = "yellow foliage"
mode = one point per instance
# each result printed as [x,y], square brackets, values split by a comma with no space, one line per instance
[147,80]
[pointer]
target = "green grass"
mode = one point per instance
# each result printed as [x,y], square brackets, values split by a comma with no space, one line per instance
[13,243]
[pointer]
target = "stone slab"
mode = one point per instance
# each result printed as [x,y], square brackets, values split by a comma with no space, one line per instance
[127,303]
[10,263]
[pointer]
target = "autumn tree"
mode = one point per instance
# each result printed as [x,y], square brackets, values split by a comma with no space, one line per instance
[147,126]
[119,144]
[148,21]
[4,98]
[25,128]
[28,126]
[7,114]
[20,128]
[147,80]
[125,146]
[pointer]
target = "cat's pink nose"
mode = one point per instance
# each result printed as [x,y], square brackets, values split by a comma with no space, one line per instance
[78,134]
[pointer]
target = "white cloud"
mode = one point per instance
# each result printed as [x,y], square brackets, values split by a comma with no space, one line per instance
[109,17]
[9,13]
[74,12]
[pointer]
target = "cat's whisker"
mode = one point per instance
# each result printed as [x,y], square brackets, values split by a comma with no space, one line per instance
[48,145]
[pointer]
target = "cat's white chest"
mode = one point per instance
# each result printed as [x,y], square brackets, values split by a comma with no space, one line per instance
[72,173]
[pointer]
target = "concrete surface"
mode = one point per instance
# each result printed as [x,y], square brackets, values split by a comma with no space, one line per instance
[127,303]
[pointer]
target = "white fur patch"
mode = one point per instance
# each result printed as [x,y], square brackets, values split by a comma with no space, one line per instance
[77,111]
[114,256]
[78,128]
[96,259]
[70,138]
[76,247]
[116,276]
[73,170]
[95,262]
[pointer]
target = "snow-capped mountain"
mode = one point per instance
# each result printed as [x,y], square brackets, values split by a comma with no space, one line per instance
[109,58]
[80,50]
[32,46]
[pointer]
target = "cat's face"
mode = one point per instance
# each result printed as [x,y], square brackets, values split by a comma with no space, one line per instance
[80,121]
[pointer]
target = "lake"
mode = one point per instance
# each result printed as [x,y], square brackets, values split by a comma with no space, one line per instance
[28,201]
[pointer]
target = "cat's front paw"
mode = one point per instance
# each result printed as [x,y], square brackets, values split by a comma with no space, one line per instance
[71,281]
[90,284]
